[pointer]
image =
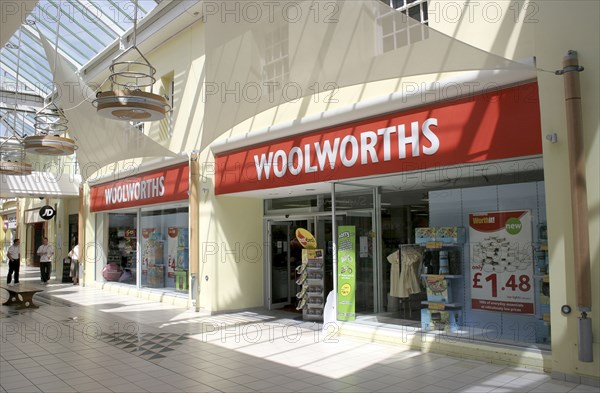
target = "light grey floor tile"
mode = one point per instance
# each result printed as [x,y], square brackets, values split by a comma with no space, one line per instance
[554,387]
[87,362]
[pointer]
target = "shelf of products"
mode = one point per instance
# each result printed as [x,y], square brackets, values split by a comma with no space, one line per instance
[311,277]
[440,269]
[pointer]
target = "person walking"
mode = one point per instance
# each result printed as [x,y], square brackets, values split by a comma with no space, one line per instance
[46,252]
[14,262]
[74,255]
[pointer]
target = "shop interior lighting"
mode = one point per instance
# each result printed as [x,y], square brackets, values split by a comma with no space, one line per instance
[127,100]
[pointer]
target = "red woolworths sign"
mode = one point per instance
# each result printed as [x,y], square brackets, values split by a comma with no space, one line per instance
[164,185]
[497,125]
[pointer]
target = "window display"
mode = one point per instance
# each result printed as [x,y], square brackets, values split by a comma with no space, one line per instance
[156,253]
[121,264]
[478,268]
[164,248]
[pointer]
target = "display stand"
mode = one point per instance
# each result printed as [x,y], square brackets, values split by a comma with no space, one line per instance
[311,275]
[542,279]
[442,266]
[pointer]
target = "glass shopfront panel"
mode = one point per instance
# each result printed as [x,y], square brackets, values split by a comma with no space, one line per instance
[146,247]
[356,209]
[121,248]
[411,243]
[164,248]
[445,275]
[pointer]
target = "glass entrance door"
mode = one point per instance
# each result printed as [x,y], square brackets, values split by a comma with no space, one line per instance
[365,266]
[356,208]
[285,254]
[325,242]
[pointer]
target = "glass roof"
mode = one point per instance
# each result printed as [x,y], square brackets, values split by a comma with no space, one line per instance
[79,28]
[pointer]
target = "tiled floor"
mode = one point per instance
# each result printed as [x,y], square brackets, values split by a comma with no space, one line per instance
[87,340]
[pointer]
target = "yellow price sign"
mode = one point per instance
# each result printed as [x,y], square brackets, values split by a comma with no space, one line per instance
[345,289]
[306,239]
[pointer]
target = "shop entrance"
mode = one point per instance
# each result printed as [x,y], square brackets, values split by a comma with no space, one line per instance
[73,230]
[285,255]
[35,233]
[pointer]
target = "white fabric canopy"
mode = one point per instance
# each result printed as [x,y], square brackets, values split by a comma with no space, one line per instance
[262,54]
[100,141]
[39,184]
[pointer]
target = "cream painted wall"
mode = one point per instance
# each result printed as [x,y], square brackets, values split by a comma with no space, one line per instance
[547,30]
[92,254]
[231,248]
[183,55]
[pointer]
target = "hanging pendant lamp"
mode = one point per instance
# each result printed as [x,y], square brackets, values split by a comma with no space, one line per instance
[127,100]
[12,153]
[12,158]
[49,145]
[49,123]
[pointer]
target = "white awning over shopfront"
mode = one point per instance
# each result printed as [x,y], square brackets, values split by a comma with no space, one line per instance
[39,184]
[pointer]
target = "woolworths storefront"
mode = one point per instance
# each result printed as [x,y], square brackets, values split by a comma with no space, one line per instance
[141,231]
[445,206]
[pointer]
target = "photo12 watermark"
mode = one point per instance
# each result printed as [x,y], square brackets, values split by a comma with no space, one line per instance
[270,11]
[64,332]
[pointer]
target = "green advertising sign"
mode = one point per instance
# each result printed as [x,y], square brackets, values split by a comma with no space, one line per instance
[346,273]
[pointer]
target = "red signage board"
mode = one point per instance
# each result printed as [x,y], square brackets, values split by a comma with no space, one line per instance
[497,125]
[164,185]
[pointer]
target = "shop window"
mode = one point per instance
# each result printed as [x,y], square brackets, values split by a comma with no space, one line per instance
[121,261]
[164,249]
[474,276]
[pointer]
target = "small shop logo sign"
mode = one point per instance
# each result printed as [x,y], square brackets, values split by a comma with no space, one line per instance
[47,212]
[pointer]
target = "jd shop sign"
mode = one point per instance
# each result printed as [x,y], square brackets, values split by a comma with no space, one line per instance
[47,212]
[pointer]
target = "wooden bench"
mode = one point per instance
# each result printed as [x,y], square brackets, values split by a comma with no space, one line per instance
[20,296]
